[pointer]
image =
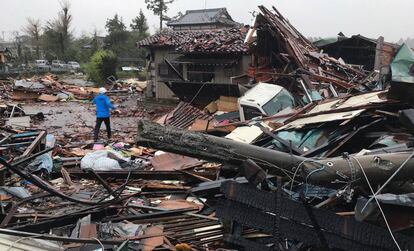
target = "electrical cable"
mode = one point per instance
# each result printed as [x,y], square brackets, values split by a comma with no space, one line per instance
[388,181]
[198,92]
[102,246]
[297,169]
[379,206]
[306,179]
[20,239]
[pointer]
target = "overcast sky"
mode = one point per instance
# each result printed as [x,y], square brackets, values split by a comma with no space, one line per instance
[317,18]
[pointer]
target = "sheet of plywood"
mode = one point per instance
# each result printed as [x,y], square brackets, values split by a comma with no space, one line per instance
[150,244]
[19,122]
[48,98]
[321,119]
[246,134]
[227,104]
[171,161]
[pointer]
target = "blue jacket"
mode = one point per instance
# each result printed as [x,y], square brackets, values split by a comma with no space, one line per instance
[103,104]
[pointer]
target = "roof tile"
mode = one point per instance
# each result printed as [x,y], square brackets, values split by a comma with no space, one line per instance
[212,41]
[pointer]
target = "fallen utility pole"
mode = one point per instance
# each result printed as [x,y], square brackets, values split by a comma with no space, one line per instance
[338,170]
[211,148]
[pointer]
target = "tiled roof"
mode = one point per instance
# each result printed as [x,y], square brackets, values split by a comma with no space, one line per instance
[214,41]
[205,16]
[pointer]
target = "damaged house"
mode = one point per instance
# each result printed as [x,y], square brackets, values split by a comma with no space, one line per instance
[371,54]
[206,54]
[4,55]
[342,154]
[315,155]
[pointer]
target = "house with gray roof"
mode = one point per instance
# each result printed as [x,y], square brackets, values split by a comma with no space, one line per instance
[206,19]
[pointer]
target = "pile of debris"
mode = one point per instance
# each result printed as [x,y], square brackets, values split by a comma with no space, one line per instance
[48,88]
[312,154]
[100,196]
[326,147]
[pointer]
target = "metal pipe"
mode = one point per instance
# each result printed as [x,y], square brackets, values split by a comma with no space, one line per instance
[75,240]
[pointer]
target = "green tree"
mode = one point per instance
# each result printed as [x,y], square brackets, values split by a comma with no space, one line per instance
[102,65]
[80,50]
[159,8]
[95,44]
[139,24]
[117,34]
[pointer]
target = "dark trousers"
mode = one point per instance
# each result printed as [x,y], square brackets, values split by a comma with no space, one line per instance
[98,127]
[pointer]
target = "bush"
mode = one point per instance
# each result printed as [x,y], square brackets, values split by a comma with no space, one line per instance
[141,75]
[127,74]
[101,66]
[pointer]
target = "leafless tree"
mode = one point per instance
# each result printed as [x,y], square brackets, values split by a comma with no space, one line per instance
[59,28]
[33,30]
[18,44]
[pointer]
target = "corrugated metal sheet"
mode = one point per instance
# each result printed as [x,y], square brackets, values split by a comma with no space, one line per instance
[17,243]
[321,118]
[349,102]
[184,115]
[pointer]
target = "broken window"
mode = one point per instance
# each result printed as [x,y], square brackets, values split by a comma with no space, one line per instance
[279,102]
[250,112]
[200,73]
[164,71]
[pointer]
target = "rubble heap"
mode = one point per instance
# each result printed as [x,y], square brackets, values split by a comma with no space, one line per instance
[317,154]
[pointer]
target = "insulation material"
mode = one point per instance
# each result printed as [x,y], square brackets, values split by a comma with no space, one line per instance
[246,134]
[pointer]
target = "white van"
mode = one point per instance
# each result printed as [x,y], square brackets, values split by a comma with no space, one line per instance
[42,64]
[264,99]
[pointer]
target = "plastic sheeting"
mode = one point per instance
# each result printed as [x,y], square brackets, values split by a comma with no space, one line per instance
[102,160]
[402,67]
[43,161]
[28,84]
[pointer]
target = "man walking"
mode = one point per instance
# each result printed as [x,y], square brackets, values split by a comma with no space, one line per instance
[103,105]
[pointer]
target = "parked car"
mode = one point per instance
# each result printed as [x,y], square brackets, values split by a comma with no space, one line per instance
[42,64]
[131,68]
[59,64]
[74,65]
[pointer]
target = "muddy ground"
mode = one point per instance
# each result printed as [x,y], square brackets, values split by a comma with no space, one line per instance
[74,121]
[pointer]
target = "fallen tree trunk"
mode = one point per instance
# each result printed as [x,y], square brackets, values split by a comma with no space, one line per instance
[212,148]
[378,167]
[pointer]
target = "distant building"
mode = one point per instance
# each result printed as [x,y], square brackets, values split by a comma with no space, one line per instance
[206,46]
[207,19]
[97,41]
[4,55]
[359,50]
